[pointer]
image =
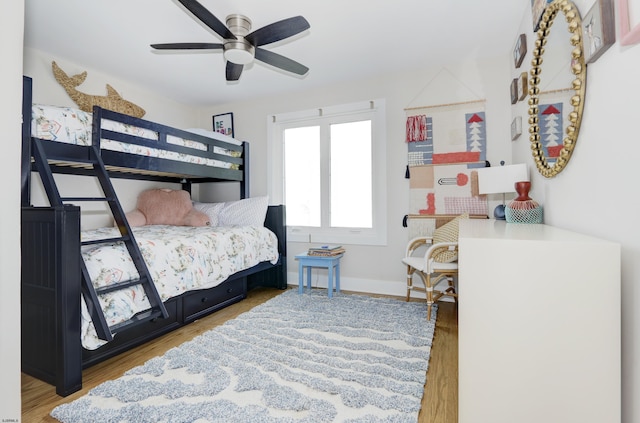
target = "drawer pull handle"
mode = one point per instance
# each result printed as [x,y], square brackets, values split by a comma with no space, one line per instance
[204,299]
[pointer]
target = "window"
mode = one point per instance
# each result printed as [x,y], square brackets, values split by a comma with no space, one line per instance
[328,169]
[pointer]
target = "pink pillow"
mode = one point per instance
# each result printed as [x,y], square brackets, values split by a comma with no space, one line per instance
[166,207]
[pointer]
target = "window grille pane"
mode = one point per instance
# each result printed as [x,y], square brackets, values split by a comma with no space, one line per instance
[351,175]
[302,176]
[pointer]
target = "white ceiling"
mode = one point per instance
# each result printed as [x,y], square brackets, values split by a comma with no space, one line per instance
[348,40]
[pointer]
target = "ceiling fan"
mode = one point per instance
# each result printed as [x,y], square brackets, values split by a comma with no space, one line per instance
[240,46]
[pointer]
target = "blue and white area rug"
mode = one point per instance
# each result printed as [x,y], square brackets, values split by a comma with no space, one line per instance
[294,358]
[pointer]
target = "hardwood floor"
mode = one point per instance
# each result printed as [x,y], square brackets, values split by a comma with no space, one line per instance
[439,404]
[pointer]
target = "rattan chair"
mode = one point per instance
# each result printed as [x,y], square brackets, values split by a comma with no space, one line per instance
[432,273]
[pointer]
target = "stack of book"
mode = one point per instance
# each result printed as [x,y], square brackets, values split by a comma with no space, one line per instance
[326,250]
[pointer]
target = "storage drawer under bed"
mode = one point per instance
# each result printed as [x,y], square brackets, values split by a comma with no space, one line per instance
[199,303]
[136,335]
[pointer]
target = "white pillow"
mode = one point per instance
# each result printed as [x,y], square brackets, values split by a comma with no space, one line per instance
[210,209]
[246,212]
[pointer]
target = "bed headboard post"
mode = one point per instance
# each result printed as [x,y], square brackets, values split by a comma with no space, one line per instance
[277,276]
[276,221]
[25,176]
[244,184]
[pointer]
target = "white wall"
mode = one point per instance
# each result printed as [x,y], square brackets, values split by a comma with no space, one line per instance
[11,28]
[379,268]
[596,194]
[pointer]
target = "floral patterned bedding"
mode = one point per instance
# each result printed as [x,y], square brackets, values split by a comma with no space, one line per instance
[179,258]
[73,126]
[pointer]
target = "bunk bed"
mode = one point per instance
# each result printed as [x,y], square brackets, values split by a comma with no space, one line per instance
[53,283]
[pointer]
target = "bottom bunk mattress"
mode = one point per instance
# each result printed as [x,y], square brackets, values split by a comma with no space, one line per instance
[179,258]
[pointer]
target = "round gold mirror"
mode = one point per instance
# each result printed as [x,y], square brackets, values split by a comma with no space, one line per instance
[551,160]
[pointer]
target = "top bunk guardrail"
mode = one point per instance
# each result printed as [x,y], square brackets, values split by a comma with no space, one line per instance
[130,147]
[170,151]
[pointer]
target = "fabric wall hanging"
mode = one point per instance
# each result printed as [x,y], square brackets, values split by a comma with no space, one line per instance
[445,143]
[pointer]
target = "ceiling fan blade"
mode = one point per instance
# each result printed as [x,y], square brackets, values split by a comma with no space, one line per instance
[281,62]
[208,19]
[233,71]
[187,46]
[278,31]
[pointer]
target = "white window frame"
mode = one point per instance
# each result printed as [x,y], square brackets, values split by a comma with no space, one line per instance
[373,110]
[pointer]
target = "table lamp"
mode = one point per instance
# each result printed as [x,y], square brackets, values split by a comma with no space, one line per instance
[501,180]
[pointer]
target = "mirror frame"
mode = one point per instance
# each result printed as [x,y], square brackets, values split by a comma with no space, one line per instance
[578,68]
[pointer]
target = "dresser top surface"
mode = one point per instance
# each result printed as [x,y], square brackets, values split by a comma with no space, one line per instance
[500,229]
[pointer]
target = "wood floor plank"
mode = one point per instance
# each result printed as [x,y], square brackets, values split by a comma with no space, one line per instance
[439,404]
[440,401]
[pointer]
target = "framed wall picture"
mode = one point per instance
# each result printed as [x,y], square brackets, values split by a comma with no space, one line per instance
[599,29]
[629,19]
[224,124]
[514,91]
[516,128]
[520,50]
[522,86]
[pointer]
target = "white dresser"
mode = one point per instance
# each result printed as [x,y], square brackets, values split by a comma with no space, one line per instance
[539,325]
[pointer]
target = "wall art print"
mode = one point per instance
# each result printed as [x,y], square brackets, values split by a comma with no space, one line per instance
[224,124]
[520,50]
[629,21]
[599,29]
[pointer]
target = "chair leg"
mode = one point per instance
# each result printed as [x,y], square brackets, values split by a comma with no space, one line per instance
[409,282]
[429,291]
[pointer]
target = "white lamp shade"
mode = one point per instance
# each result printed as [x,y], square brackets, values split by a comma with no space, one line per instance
[501,179]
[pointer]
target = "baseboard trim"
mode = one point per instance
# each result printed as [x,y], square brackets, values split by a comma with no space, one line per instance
[369,286]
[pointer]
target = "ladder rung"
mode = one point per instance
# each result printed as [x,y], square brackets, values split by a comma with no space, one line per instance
[120,285]
[106,240]
[86,199]
[54,159]
[141,317]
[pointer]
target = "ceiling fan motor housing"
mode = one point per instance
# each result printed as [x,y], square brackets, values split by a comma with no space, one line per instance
[238,51]
[239,25]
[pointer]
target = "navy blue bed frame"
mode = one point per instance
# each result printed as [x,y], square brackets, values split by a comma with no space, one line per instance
[50,244]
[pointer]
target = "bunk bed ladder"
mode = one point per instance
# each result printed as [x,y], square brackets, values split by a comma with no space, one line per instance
[96,168]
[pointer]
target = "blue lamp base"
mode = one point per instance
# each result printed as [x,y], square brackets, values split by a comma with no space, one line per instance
[499,212]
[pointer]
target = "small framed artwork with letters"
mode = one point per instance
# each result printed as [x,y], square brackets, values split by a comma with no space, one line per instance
[224,124]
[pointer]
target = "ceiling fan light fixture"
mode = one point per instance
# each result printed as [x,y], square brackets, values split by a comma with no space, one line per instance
[239,52]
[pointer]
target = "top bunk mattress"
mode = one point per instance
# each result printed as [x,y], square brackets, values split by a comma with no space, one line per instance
[74,126]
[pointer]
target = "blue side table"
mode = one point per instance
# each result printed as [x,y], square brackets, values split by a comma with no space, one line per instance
[332,263]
